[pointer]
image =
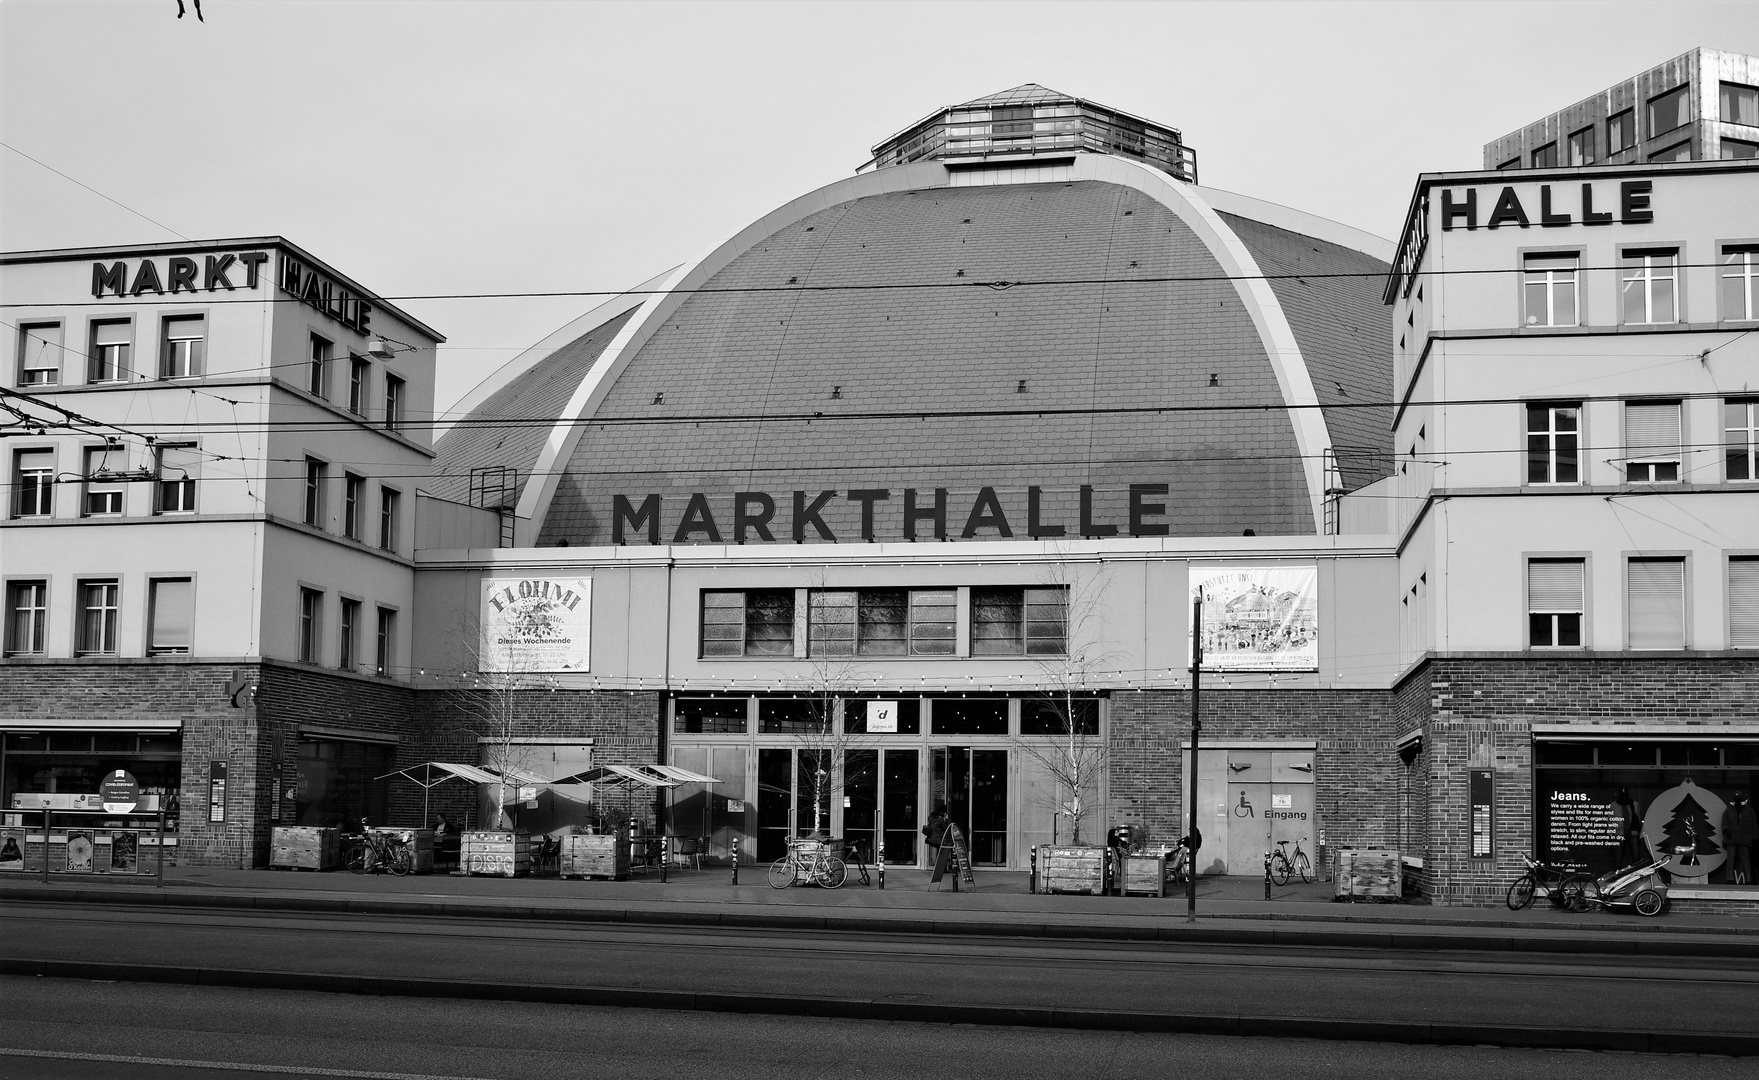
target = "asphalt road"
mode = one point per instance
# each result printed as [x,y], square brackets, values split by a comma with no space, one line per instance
[1495,990]
[62,1029]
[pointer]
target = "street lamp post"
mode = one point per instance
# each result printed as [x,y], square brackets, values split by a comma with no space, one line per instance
[1194,839]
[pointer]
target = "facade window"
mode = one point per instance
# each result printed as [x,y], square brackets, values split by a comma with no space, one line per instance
[1655,597]
[99,605]
[1554,603]
[39,354]
[1549,284]
[883,622]
[1020,621]
[393,403]
[1743,602]
[1739,104]
[1545,157]
[345,631]
[352,487]
[1668,111]
[318,366]
[1621,131]
[1740,438]
[315,474]
[171,616]
[183,351]
[1582,147]
[1652,442]
[387,519]
[111,341]
[179,464]
[756,622]
[360,371]
[1736,150]
[1740,282]
[1677,152]
[33,483]
[387,627]
[311,610]
[1553,440]
[1650,286]
[103,486]
[27,617]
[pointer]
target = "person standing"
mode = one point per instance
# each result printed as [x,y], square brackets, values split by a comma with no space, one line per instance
[935,832]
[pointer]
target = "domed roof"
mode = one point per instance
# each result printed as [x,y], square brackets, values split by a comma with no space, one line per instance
[1083,342]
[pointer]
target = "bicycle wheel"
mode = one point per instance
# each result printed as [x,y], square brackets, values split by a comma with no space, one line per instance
[401,861]
[833,873]
[1572,893]
[782,873]
[1303,867]
[357,859]
[1279,868]
[1521,892]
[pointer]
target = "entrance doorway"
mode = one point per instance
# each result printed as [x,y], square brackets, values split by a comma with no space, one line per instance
[881,795]
[974,786]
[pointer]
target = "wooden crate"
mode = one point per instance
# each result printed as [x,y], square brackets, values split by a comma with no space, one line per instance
[1143,875]
[1367,873]
[497,854]
[421,846]
[1071,869]
[305,847]
[605,855]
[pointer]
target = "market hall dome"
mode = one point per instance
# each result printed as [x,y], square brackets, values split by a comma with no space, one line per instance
[1022,327]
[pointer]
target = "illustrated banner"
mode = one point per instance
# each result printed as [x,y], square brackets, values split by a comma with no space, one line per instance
[1258,618]
[532,624]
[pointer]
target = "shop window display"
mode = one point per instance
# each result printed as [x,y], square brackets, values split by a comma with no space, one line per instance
[74,763]
[340,782]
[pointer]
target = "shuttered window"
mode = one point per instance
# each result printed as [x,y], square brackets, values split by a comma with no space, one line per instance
[1656,594]
[1554,603]
[1652,441]
[1743,602]
[173,616]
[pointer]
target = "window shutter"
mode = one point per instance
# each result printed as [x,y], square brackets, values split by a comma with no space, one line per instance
[1656,593]
[1743,603]
[173,615]
[1652,430]
[1554,585]
[176,462]
[112,333]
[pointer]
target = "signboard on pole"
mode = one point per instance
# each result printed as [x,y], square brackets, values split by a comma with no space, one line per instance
[119,792]
[1258,618]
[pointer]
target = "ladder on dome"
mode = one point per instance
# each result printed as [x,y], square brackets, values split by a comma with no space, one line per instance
[496,487]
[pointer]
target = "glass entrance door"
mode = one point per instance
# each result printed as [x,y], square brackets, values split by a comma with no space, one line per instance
[973,784]
[883,780]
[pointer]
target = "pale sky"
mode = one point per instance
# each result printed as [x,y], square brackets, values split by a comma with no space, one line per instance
[468,146]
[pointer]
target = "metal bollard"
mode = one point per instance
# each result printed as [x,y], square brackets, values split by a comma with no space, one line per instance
[735,860]
[665,856]
[1032,874]
[880,862]
[1267,875]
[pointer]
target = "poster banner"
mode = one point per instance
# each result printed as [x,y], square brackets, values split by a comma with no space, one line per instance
[534,624]
[1258,618]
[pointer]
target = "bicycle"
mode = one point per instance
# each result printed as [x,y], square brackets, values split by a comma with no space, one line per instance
[856,858]
[380,851]
[808,862]
[1282,864]
[1565,888]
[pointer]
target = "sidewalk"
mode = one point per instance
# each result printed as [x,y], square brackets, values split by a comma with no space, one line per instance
[1230,910]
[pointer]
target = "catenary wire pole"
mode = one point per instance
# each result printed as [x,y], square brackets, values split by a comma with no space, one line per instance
[1192,838]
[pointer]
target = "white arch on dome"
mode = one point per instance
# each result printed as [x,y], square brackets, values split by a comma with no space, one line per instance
[1312,439]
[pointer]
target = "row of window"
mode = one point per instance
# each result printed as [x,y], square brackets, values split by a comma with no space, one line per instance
[1649,286]
[728,714]
[350,631]
[1653,444]
[354,505]
[1655,603]
[1004,621]
[1668,111]
[97,613]
[183,355]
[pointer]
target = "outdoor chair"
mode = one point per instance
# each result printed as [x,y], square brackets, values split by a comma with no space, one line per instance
[689,850]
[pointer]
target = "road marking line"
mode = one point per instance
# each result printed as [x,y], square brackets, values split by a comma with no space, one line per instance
[309,1070]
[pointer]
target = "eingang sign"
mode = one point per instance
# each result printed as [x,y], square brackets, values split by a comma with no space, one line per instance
[536,624]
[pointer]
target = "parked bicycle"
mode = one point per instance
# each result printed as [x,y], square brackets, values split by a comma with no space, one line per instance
[1565,888]
[1283,864]
[375,851]
[808,862]
[855,859]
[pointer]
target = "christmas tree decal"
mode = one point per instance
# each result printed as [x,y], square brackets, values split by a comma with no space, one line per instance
[1690,827]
